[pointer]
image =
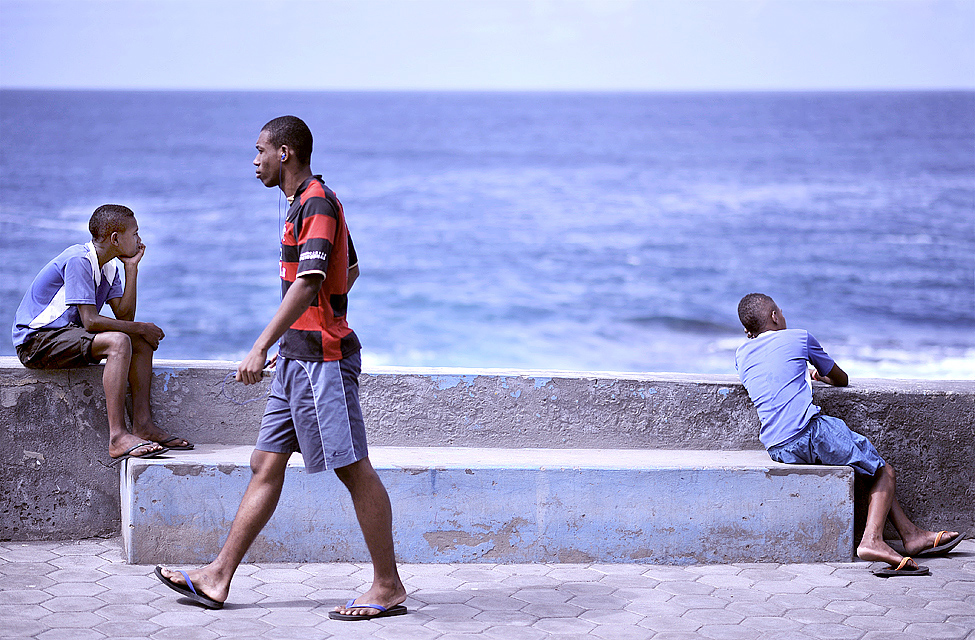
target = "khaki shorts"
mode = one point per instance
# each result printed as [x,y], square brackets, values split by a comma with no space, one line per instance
[63,348]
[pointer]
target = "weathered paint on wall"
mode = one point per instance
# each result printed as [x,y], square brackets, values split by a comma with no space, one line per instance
[507,506]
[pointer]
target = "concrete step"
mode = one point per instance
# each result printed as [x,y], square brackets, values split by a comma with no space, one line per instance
[454,504]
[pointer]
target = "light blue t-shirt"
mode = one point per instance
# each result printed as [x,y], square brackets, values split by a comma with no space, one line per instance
[773,369]
[70,279]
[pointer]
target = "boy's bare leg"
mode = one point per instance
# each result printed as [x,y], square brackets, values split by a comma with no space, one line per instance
[872,546]
[375,515]
[915,538]
[140,380]
[256,508]
[883,504]
[116,348]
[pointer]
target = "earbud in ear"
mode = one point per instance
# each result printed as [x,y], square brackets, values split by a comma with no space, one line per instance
[282,156]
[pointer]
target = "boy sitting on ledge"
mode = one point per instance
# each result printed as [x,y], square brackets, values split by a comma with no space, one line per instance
[772,366]
[59,325]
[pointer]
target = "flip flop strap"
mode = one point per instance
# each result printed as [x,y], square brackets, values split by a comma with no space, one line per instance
[904,561]
[937,538]
[189,583]
[352,605]
[144,444]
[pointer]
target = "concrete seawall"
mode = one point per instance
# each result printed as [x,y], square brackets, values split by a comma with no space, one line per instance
[56,483]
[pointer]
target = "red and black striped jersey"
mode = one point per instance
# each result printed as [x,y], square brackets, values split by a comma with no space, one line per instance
[315,239]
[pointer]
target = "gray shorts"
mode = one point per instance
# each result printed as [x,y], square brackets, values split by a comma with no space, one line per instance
[314,408]
[827,440]
[63,348]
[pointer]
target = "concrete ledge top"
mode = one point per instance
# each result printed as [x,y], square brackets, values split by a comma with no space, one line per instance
[163,365]
[444,458]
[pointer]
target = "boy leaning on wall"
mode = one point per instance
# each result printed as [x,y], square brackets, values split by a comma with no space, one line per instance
[772,366]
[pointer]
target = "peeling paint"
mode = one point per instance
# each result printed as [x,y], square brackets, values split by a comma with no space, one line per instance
[490,544]
[185,469]
[449,382]
[33,455]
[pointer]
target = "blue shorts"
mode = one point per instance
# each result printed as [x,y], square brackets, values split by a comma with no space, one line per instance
[313,408]
[827,440]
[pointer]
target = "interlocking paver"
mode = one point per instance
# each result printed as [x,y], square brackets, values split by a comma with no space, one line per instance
[726,581]
[951,607]
[814,616]
[856,607]
[72,603]
[726,632]
[184,633]
[887,635]
[685,587]
[25,611]
[597,602]
[83,589]
[770,624]
[663,624]
[70,634]
[939,631]
[506,618]
[620,632]
[514,633]
[24,596]
[130,627]
[612,617]
[450,625]
[564,625]
[542,596]
[21,628]
[28,568]
[875,623]
[71,620]
[831,631]
[552,610]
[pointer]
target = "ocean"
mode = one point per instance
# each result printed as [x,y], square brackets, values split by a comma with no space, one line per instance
[565,231]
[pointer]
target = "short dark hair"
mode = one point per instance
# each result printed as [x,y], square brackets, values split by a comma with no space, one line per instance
[753,311]
[293,132]
[109,218]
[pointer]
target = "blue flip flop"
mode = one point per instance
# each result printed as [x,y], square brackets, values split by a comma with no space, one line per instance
[188,590]
[395,610]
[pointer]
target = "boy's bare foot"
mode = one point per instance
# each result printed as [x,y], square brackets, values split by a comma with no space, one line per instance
[878,552]
[928,540]
[150,431]
[123,445]
[386,598]
[203,584]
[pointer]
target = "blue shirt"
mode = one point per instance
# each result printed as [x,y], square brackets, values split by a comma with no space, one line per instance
[773,369]
[70,279]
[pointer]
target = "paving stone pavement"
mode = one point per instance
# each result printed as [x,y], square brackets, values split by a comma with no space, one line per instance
[82,589]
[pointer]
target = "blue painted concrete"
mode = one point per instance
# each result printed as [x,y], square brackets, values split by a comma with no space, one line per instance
[506,506]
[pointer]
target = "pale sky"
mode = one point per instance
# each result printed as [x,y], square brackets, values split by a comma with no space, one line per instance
[488,44]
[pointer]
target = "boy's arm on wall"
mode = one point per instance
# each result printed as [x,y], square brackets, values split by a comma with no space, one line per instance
[836,377]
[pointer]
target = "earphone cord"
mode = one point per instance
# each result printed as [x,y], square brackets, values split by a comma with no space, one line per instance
[280,192]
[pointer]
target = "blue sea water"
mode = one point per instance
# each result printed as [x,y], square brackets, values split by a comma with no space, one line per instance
[611,232]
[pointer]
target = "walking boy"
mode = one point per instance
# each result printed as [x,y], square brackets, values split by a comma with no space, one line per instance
[314,401]
[772,366]
[59,325]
